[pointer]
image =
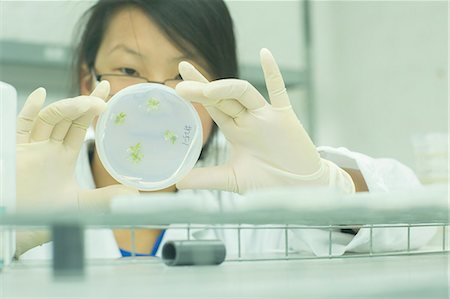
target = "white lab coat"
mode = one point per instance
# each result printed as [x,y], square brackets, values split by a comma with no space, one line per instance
[381,175]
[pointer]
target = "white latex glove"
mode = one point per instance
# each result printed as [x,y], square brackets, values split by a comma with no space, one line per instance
[269,146]
[48,143]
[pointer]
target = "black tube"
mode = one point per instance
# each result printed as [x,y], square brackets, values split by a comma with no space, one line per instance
[197,252]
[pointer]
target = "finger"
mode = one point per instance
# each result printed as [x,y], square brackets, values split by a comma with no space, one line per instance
[218,178]
[58,120]
[63,110]
[231,107]
[221,119]
[77,131]
[240,90]
[193,91]
[60,130]
[189,73]
[274,80]
[101,90]
[28,114]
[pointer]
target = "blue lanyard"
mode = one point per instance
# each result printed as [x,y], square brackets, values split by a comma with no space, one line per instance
[157,243]
[126,253]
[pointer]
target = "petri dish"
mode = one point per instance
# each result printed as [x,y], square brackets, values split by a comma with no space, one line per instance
[149,138]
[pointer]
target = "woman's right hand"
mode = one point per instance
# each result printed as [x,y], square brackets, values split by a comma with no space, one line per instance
[48,143]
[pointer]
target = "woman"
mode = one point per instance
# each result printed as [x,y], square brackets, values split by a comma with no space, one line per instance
[130,42]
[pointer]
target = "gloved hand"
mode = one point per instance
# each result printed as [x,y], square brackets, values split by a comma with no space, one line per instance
[269,146]
[48,144]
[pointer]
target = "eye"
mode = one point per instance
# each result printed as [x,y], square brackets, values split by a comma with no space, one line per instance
[129,72]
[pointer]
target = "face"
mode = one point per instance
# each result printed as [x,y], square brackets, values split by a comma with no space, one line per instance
[134,46]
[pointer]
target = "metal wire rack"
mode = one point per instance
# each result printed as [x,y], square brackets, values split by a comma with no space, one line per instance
[330,213]
[441,246]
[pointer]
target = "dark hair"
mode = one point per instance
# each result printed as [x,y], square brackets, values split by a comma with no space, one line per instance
[200,27]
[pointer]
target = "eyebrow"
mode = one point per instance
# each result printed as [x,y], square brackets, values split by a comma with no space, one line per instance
[136,53]
[126,49]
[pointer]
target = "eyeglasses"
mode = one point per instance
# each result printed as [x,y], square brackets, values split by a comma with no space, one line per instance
[120,81]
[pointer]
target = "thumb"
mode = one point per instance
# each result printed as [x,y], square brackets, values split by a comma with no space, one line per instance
[99,200]
[101,90]
[220,177]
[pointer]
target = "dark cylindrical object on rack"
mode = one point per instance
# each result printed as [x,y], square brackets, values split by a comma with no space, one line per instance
[193,252]
[68,250]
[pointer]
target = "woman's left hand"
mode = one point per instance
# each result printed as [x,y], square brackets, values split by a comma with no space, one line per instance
[269,146]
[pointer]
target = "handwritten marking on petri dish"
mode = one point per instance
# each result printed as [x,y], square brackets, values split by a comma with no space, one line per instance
[187,135]
[135,153]
[152,104]
[170,136]
[120,118]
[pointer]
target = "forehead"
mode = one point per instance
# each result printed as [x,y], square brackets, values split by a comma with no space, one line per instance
[132,27]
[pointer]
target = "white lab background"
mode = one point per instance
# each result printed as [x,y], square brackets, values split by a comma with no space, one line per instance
[379,68]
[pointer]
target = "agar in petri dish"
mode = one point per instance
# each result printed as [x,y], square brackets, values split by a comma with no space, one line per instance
[148,137]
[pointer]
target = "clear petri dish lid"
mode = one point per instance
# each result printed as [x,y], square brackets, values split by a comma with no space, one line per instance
[149,138]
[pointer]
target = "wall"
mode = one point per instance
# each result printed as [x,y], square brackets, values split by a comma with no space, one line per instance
[380,67]
[43,22]
[52,23]
[278,26]
[381,73]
